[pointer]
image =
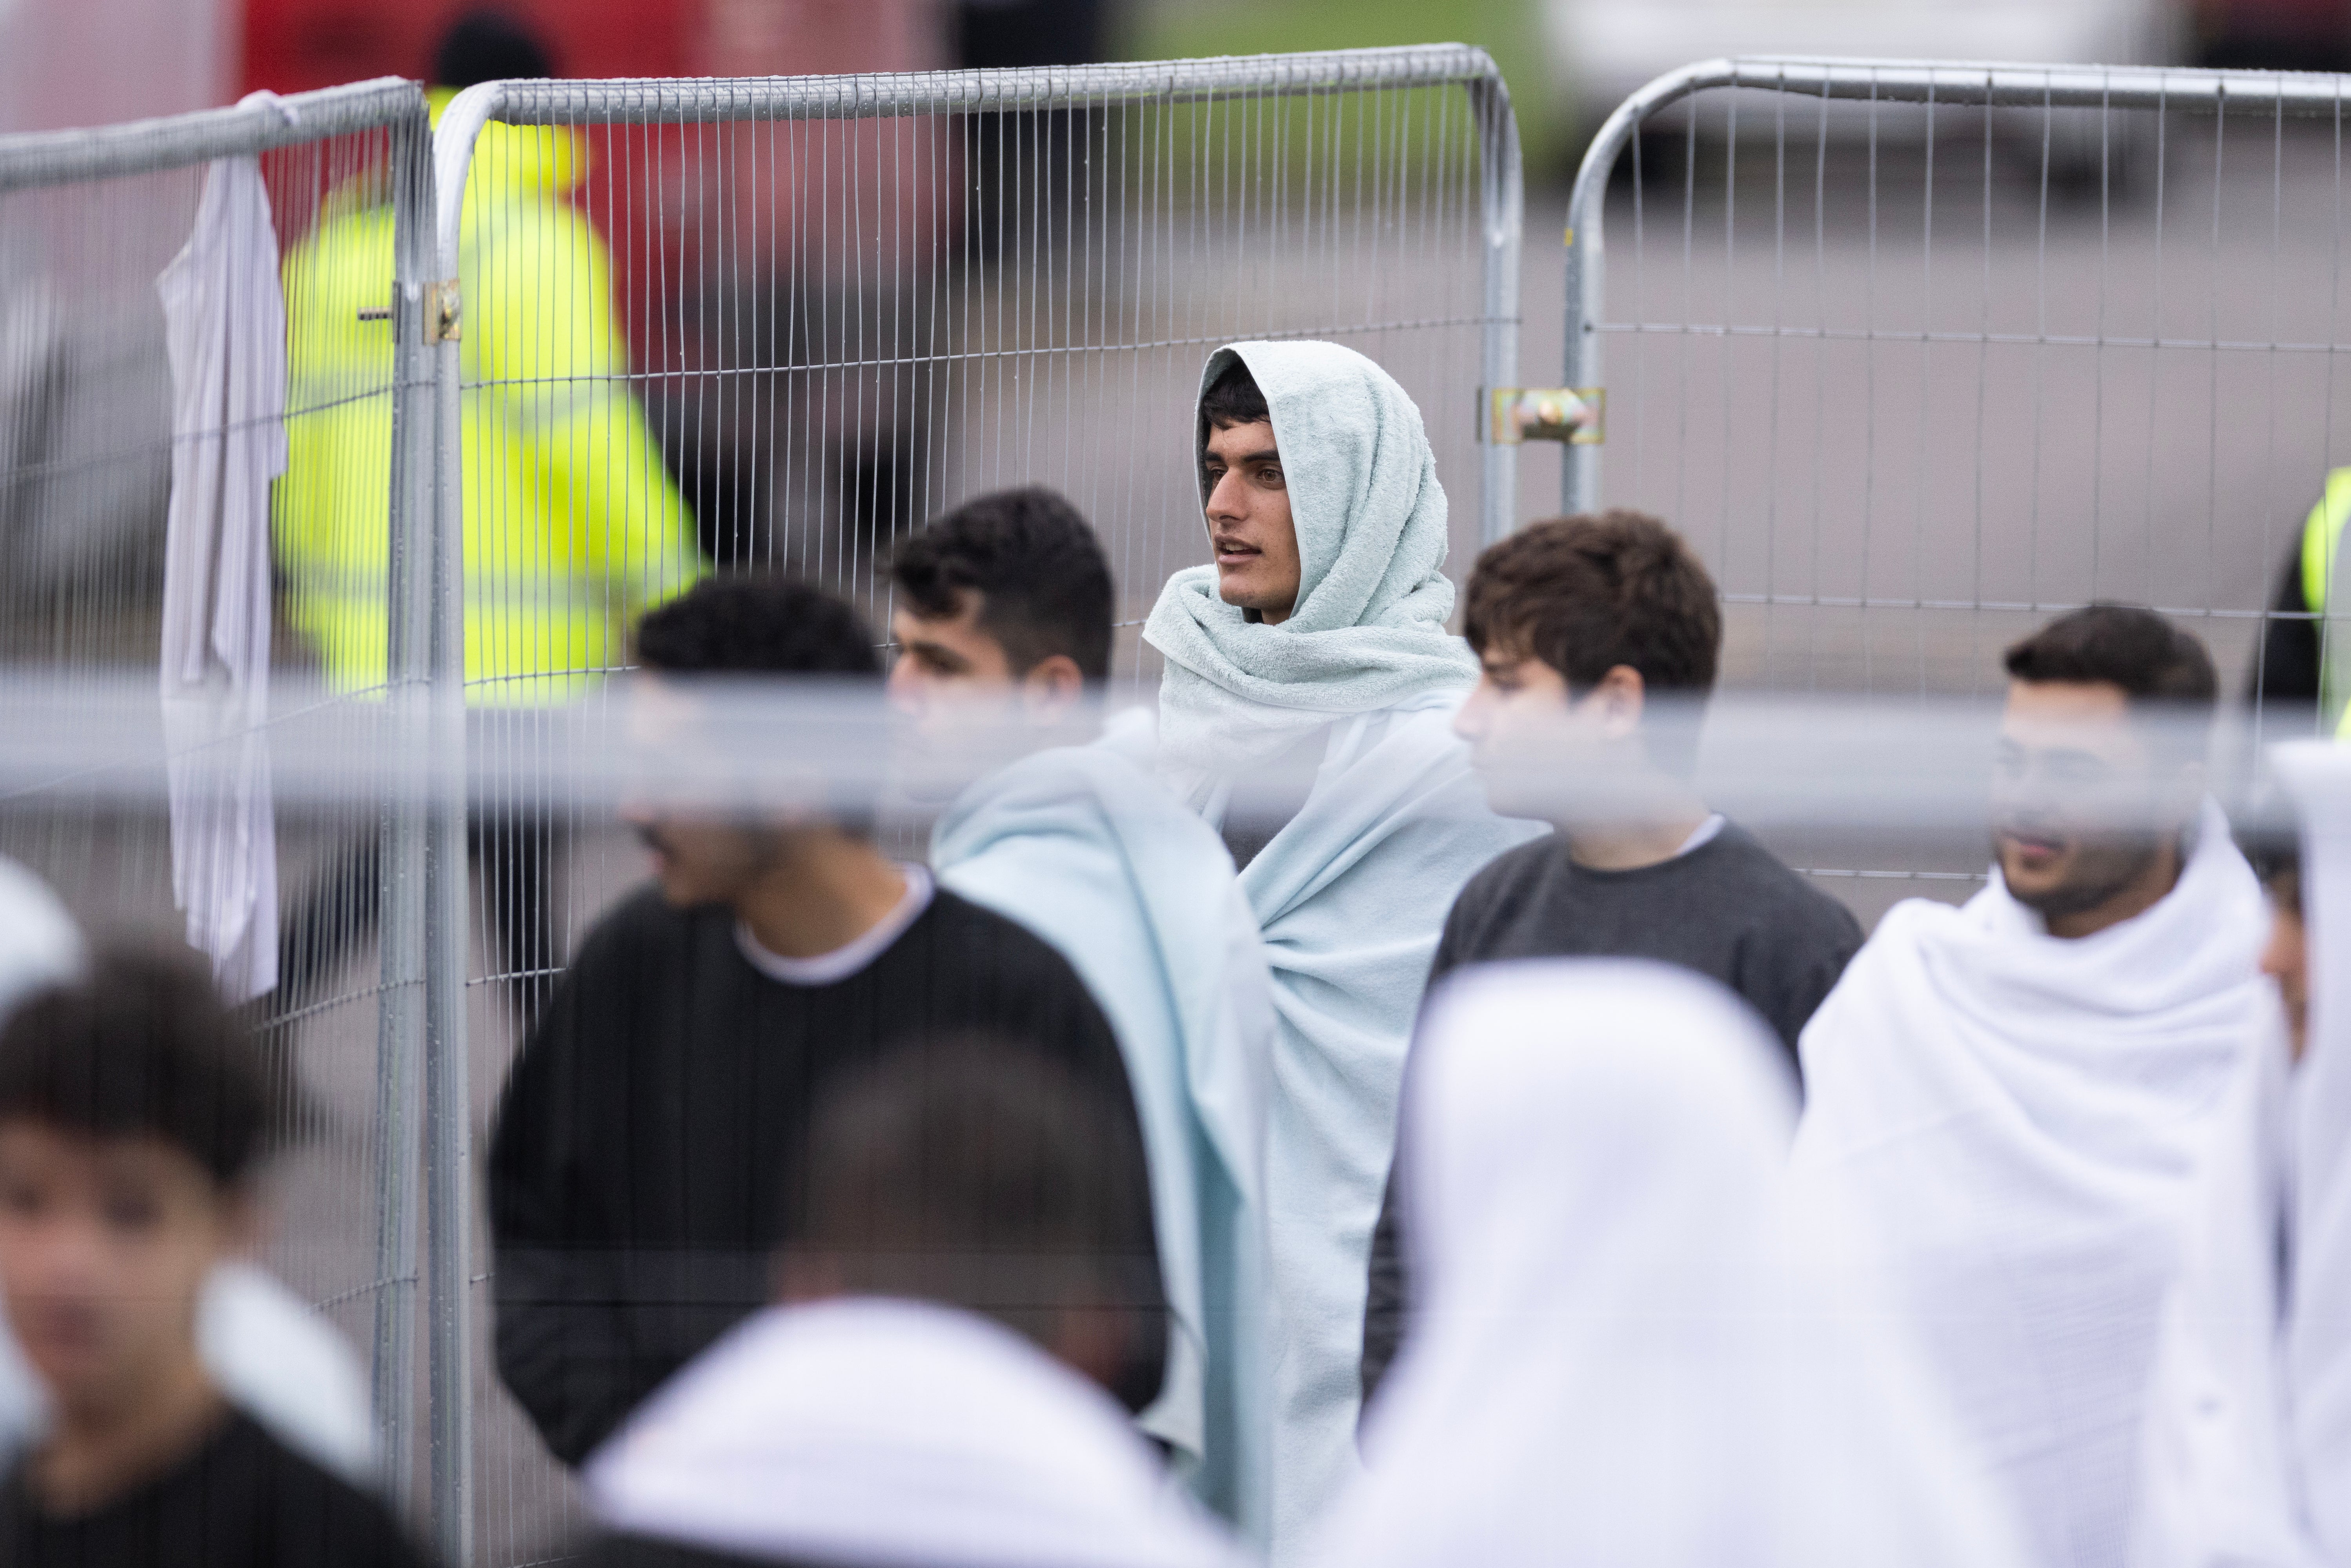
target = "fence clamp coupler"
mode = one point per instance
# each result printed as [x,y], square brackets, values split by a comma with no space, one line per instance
[1571,415]
[441,316]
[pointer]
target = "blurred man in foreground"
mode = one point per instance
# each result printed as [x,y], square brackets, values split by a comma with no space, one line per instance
[272,1353]
[1597,638]
[132,1115]
[2015,1092]
[1003,627]
[657,1115]
[955,1291]
[1306,712]
[1629,1355]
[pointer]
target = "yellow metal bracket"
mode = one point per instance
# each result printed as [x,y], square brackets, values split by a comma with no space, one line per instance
[442,315]
[1572,415]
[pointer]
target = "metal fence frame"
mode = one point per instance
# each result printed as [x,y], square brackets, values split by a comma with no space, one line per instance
[673,102]
[406,1050]
[670,102]
[1948,85]
[424,1130]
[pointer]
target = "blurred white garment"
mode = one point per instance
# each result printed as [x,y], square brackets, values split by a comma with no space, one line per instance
[865,1430]
[224,325]
[1085,847]
[39,944]
[288,1367]
[2247,1447]
[2017,1119]
[270,1354]
[1628,1350]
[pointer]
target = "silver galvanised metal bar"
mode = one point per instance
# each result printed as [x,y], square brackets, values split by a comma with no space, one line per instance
[343,130]
[1946,84]
[440,560]
[402,1026]
[1502,214]
[182,140]
[1162,83]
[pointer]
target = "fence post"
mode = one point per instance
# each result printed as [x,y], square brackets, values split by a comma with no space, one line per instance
[448,1137]
[401,1029]
[1501,200]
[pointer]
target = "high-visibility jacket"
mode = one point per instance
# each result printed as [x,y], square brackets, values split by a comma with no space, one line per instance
[2327,594]
[572,525]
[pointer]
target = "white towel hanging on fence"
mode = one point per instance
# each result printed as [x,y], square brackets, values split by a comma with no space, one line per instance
[224,323]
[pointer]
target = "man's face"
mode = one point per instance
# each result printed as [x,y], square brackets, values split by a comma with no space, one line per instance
[104,1246]
[700,855]
[951,673]
[2286,959]
[1248,521]
[2082,804]
[1527,731]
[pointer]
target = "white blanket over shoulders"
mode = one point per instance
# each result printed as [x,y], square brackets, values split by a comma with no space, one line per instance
[891,1432]
[2017,1119]
[1086,848]
[1351,896]
[2247,1449]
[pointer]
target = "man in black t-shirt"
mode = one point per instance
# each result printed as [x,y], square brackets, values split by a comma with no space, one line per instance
[131,1114]
[1597,639]
[653,1126]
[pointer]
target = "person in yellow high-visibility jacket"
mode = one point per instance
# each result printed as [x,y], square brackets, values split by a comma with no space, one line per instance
[572,525]
[2304,657]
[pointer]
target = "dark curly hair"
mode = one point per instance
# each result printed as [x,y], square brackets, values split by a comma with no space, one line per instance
[141,1045]
[1044,586]
[2125,646]
[1587,594]
[1233,398]
[757,623]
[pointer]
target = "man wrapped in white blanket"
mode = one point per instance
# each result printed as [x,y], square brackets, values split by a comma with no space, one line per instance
[2016,1091]
[2247,1453]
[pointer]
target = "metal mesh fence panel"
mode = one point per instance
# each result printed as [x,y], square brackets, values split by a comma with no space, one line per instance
[1920,356]
[781,323]
[90,425]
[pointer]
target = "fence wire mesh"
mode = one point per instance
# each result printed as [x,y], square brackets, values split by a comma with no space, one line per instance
[1921,355]
[1916,356]
[782,323]
[96,417]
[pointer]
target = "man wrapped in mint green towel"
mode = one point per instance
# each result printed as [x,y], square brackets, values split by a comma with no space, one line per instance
[1306,712]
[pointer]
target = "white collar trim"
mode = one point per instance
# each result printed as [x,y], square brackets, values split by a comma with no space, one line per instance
[851,956]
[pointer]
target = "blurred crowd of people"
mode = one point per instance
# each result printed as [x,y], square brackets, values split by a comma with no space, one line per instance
[1288,1122]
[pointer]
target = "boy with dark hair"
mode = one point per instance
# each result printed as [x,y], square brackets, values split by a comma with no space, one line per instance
[132,1116]
[1018,567]
[1004,617]
[656,1118]
[967,1266]
[2013,1096]
[1597,638]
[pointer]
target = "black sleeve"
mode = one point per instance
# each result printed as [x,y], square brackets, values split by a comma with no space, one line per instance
[1801,962]
[1046,1002]
[1386,1302]
[2286,673]
[562,1343]
[1387,1296]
